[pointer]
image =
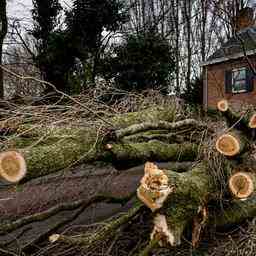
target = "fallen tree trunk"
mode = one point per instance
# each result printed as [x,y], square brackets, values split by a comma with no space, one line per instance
[49,150]
[177,200]
[234,213]
[44,160]
[178,196]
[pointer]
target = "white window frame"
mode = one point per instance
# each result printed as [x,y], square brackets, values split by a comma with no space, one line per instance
[232,74]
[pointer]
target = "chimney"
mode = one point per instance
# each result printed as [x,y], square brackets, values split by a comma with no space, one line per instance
[244,19]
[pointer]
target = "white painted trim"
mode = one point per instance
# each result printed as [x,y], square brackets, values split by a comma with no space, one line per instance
[231,57]
[205,88]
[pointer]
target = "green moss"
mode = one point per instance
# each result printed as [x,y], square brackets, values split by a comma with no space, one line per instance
[166,113]
[42,160]
[155,151]
[191,191]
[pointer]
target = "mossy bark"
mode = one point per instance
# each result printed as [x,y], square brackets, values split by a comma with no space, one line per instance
[153,151]
[190,191]
[233,213]
[193,189]
[42,160]
[174,126]
[164,113]
[49,149]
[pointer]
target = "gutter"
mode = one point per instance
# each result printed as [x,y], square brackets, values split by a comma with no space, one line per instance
[230,57]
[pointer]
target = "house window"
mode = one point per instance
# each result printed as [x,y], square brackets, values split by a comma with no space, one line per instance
[239,80]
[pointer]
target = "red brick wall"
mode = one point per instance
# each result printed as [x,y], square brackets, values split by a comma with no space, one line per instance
[216,84]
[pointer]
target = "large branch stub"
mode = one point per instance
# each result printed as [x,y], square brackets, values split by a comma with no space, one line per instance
[178,197]
[242,184]
[12,166]
[154,188]
[242,121]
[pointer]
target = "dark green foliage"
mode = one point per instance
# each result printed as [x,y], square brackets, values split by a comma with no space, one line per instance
[193,92]
[54,57]
[44,15]
[57,60]
[87,21]
[142,62]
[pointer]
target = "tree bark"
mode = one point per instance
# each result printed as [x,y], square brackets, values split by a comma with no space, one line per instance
[47,150]
[177,197]
[43,160]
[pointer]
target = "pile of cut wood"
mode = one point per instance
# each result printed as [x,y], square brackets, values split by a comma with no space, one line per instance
[187,174]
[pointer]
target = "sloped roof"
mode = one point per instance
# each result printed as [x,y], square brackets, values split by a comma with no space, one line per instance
[235,46]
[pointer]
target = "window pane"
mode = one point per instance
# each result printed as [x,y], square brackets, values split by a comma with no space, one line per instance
[239,80]
[239,86]
[240,74]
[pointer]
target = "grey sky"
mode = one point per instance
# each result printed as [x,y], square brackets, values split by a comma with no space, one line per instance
[21,9]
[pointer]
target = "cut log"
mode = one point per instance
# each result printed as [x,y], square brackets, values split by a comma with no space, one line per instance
[233,119]
[242,184]
[231,144]
[43,160]
[222,105]
[252,120]
[12,166]
[249,118]
[241,121]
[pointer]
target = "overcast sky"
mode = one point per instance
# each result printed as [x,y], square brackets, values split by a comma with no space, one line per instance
[21,9]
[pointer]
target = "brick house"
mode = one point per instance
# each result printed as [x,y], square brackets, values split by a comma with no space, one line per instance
[228,72]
